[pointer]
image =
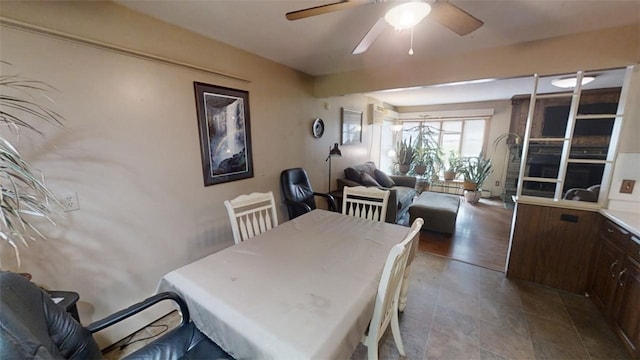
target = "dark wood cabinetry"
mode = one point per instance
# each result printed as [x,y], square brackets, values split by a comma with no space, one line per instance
[582,252]
[552,246]
[615,282]
[607,264]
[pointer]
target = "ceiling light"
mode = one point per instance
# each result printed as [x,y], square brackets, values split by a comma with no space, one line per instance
[571,82]
[407,15]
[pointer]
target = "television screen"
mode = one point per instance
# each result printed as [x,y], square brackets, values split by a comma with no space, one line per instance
[556,117]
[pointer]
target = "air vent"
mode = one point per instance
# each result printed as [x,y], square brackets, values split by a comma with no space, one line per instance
[376,114]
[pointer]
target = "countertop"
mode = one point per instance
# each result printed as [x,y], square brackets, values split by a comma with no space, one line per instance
[628,220]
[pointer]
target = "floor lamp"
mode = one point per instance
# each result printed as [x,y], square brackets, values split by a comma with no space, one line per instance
[335,151]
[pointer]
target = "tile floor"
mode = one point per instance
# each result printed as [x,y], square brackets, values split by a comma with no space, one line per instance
[461,311]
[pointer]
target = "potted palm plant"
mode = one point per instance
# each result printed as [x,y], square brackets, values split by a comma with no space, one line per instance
[24,195]
[475,169]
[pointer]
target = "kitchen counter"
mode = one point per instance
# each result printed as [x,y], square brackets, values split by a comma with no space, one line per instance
[628,220]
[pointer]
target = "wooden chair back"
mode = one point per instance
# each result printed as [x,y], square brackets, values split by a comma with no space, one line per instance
[365,202]
[385,311]
[251,215]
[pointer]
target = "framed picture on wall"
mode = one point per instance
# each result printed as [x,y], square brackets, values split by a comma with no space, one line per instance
[225,133]
[351,127]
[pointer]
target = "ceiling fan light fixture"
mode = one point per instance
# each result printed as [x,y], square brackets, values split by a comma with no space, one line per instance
[407,15]
[571,82]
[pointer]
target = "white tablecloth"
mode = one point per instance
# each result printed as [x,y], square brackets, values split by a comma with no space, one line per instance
[303,290]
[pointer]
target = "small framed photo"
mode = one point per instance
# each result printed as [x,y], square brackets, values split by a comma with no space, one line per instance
[351,127]
[225,133]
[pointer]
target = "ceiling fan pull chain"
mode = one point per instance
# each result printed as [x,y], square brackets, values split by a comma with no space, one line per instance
[411,49]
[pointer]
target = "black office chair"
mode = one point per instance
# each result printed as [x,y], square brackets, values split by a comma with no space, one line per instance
[590,194]
[298,194]
[33,327]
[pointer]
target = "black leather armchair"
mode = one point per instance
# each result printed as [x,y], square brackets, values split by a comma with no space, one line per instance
[33,327]
[298,194]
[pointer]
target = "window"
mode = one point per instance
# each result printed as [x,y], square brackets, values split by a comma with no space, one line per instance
[462,136]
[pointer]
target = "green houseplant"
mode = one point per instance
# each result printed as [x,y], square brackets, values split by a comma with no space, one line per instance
[429,157]
[24,195]
[430,162]
[475,170]
[513,141]
[405,155]
[454,165]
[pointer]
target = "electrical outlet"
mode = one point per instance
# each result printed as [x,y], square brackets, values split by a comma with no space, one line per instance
[497,183]
[627,186]
[70,202]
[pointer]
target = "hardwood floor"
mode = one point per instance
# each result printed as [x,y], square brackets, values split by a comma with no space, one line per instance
[481,237]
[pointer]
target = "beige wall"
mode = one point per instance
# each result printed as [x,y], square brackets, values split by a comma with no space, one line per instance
[130,148]
[611,48]
[130,145]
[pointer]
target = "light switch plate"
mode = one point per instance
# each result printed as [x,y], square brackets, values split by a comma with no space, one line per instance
[627,186]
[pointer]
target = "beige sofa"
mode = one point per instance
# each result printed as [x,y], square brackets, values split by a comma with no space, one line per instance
[402,188]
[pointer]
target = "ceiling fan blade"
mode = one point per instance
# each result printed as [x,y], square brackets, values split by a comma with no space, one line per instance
[454,18]
[323,9]
[370,36]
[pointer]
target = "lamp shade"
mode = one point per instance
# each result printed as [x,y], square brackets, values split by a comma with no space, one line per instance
[335,151]
[407,15]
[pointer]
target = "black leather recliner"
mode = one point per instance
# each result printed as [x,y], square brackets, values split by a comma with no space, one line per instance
[33,327]
[298,194]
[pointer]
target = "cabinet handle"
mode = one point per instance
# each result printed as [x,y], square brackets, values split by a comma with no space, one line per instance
[610,230]
[613,273]
[620,282]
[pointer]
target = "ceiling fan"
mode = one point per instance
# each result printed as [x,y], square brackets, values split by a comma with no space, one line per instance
[444,13]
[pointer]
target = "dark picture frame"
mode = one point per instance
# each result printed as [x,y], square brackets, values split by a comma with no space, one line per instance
[351,127]
[225,133]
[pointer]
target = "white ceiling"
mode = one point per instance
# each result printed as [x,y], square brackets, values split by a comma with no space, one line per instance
[322,44]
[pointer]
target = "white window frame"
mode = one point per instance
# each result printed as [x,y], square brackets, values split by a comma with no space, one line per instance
[567,141]
[452,115]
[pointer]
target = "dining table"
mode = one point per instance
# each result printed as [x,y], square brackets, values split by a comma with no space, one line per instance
[302,290]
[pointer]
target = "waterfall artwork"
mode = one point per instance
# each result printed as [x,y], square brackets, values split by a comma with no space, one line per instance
[225,135]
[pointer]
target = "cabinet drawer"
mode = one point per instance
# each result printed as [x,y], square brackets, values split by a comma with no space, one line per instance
[617,235]
[634,249]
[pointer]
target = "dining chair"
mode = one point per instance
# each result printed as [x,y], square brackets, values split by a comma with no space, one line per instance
[251,215]
[385,311]
[365,202]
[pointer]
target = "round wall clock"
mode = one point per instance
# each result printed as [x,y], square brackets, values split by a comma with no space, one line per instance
[317,128]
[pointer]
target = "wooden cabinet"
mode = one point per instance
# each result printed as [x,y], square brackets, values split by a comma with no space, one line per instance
[552,246]
[607,264]
[615,282]
[626,309]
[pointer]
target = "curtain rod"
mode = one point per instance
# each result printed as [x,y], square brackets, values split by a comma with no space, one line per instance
[16,24]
